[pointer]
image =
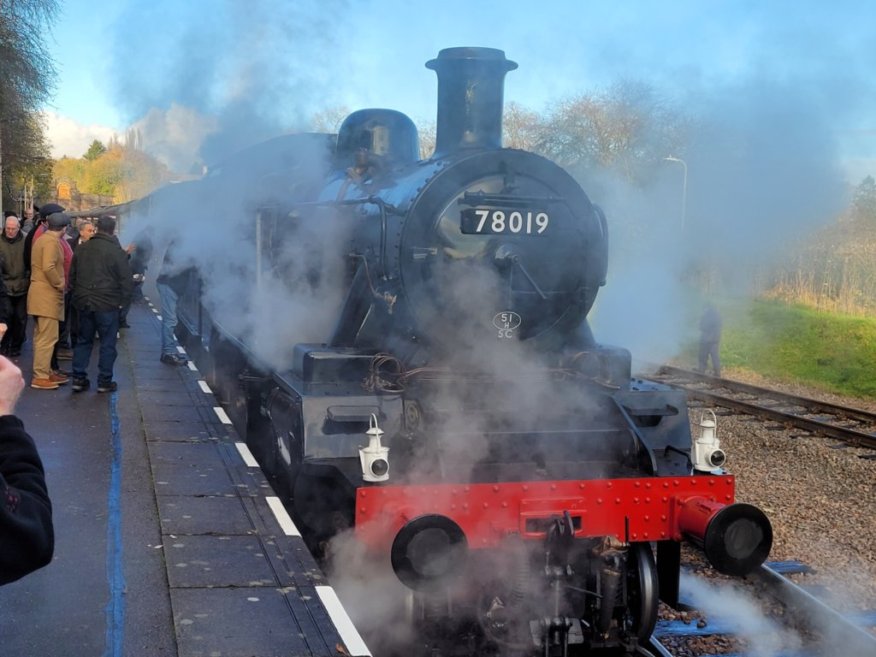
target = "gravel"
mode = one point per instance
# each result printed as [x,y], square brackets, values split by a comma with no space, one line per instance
[818,493]
[820,497]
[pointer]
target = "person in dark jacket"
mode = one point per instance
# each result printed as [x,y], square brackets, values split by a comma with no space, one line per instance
[17,280]
[139,252]
[102,284]
[27,536]
[710,340]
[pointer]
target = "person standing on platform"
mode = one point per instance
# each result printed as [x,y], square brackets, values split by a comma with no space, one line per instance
[27,535]
[27,224]
[17,280]
[45,301]
[71,324]
[102,284]
[171,284]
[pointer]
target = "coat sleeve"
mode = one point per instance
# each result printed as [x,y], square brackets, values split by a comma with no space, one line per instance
[74,266]
[27,537]
[126,276]
[5,305]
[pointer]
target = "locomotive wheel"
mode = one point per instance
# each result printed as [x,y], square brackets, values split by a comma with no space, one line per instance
[644,592]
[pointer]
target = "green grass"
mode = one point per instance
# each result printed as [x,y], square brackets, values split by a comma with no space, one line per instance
[797,343]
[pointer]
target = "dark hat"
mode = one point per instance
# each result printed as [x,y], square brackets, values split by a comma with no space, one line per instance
[50,208]
[59,220]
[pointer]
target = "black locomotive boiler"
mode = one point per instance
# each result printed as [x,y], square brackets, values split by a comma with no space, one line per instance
[460,419]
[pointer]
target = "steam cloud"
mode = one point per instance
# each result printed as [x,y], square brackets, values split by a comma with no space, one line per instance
[775,100]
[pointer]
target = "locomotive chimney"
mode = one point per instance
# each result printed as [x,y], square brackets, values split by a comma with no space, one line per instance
[471,85]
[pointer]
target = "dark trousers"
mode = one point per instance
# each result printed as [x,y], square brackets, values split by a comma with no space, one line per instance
[15,333]
[106,323]
[65,340]
[709,350]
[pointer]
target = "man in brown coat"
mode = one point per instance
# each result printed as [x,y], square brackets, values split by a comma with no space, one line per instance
[45,301]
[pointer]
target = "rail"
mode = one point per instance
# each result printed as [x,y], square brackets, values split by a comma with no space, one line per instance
[800,609]
[790,410]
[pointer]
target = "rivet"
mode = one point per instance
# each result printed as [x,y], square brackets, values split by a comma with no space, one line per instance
[495,489]
[638,484]
[599,500]
[617,500]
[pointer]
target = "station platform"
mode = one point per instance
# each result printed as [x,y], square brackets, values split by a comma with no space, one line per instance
[169,540]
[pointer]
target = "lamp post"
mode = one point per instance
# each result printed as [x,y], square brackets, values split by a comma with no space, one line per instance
[670,158]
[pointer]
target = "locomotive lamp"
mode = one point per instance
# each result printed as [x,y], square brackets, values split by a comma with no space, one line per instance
[708,454]
[375,457]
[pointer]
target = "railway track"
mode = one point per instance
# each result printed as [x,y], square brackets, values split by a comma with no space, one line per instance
[850,425]
[816,624]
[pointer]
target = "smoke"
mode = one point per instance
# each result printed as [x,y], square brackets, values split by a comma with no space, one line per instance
[270,303]
[761,172]
[378,603]
[227,76]
[174,136]
[764,637]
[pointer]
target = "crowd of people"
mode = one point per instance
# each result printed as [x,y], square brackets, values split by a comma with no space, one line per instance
[77,283]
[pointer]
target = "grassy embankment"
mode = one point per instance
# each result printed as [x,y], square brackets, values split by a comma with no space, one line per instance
[795,343]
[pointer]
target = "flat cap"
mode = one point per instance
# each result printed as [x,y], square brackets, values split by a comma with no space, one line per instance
[59,220]
[49,209]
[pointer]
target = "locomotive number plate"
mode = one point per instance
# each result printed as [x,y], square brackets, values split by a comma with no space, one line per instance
[497,221]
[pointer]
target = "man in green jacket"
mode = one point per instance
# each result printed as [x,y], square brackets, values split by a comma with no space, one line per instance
[102,283]
[17,280]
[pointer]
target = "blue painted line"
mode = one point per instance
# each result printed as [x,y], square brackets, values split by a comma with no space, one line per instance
[115,608]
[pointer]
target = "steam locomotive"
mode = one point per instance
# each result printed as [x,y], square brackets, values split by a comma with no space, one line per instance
[459,419]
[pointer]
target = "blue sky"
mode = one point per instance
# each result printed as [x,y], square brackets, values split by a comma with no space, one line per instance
[278,61]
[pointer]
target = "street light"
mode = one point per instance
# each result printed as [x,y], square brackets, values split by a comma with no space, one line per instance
[683,188]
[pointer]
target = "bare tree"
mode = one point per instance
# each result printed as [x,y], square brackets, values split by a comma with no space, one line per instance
[521,128]
[27,76]
[627,128]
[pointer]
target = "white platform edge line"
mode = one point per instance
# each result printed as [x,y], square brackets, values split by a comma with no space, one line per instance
[349,634]
[180,349]
[282,516]
[160,319]
[192,366]
[246,455]
[223,416]
[204,385]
